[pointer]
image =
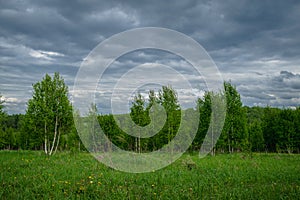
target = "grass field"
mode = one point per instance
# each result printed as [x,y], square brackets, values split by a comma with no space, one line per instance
[32,175]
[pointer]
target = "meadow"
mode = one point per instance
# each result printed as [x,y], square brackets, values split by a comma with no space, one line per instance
[33,175]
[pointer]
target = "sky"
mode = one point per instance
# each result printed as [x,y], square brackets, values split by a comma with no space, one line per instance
[255,44]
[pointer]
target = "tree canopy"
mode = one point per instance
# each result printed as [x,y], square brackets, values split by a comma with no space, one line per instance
[48,123]
[49,113]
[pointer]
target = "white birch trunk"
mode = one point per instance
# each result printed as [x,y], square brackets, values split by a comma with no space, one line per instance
[55,135]
[58,137]
[45,126]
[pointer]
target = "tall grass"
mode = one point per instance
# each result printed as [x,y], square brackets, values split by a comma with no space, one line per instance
[32,175]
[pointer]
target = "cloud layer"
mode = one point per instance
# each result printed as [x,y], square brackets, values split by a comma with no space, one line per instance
[255,44]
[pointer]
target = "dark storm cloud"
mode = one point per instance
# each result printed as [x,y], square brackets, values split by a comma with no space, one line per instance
[255,44]
[287,80]
[62,27]
[281,89]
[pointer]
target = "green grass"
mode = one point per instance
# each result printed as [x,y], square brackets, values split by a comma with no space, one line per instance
[32,175]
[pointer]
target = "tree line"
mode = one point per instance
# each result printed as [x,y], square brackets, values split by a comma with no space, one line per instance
[48,123]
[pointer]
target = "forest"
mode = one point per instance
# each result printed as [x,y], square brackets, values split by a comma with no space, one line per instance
[48,123]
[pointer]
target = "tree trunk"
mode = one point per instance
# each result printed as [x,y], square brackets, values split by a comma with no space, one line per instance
[95,149]
[135,144]
[140,143]
[212,141]
[57,141]
[45,129]
[55,135]
[45,144]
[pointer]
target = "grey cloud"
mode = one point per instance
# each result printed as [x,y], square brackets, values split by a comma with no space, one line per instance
[272,89]
[250,41]
[287,80]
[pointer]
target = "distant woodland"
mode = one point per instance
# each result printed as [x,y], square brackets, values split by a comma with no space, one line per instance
[48,123]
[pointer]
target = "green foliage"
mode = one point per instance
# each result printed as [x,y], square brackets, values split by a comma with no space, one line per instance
[9,129]
[139,114]
[205,110]
[49,114]
[2,120]
[167,97]
[256,137]
[281,130]
[48,123]
[234,136]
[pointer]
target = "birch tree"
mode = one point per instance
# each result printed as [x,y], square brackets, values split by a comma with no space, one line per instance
[49,112]
[139,115]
